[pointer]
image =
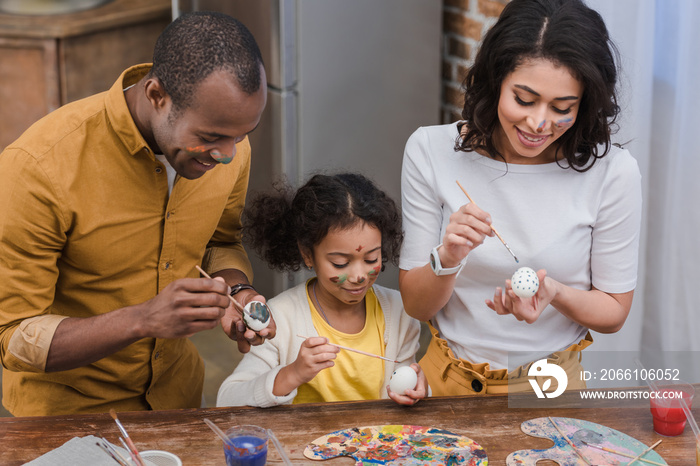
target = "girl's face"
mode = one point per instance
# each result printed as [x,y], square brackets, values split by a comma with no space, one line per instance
[539,102]
[347,262]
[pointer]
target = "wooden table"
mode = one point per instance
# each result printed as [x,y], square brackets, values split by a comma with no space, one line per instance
[485,419]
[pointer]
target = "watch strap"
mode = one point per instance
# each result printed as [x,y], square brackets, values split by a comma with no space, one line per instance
[436,265]
[240,287]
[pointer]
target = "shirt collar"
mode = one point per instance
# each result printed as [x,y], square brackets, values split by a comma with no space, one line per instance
[118,112]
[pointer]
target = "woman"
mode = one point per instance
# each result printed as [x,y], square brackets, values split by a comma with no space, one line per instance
[534,152]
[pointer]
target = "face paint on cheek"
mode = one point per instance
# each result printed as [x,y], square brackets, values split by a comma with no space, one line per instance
[564,123]
[375,271]
[340,279]
[196,150]
[221,158]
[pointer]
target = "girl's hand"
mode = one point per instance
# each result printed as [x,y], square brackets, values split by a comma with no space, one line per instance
[468,228]
[314,355]
[411,397]
[527,309]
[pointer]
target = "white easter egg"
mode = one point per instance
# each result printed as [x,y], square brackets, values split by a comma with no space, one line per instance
[256,315]
[525,282]
[404,378]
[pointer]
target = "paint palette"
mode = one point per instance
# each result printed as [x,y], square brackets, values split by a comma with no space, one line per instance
[582,434]
[396,445]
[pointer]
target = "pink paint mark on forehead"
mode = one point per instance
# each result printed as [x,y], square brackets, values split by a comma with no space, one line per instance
[359,248]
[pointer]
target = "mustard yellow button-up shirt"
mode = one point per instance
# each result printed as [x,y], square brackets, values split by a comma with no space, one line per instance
[86,227]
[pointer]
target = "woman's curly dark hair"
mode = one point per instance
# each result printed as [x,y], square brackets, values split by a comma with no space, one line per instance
[278,225]
[567,33]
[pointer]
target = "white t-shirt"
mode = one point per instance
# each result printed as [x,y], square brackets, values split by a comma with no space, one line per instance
[583,228]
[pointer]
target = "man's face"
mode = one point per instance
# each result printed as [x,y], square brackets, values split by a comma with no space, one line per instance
[198,138]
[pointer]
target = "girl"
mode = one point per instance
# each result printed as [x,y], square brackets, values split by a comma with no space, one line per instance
[534,152]
[344,229]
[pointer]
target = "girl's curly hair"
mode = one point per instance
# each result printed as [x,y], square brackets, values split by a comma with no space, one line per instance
[279,224]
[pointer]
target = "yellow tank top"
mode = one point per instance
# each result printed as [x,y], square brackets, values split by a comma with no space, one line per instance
[354,376]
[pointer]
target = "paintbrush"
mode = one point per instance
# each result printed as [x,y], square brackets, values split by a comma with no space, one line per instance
[568,440]
[639,456]
[236,304]
[610,450]
[109,452]
[492,227]
[131,447]
[113,451]
[278,445]
[356,351]
[217,431]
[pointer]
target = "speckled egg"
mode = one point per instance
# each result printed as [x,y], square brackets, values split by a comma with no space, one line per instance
[256,315]
[404,378]
[525,282]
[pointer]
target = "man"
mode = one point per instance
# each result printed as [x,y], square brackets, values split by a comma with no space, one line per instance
[108,204]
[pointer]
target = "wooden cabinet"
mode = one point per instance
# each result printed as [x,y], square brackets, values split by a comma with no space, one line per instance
[47,61]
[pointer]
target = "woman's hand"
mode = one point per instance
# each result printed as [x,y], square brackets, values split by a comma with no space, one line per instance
[411,397]
[527,309]
[468,228]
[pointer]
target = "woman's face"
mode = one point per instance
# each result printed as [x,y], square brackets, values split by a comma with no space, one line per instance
[347,263]
[539,102]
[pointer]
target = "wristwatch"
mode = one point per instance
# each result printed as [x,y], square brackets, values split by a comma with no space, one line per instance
[240,287]
[437,266]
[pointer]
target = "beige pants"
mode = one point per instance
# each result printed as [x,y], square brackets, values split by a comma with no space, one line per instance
[450,376]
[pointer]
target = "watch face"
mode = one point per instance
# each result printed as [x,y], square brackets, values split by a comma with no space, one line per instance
[433,265]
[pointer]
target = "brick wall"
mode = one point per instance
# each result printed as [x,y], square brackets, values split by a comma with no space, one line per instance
[464,22]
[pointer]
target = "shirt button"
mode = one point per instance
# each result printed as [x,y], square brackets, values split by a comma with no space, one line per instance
[166,266]
[167,216]
[477,385]
[157,355]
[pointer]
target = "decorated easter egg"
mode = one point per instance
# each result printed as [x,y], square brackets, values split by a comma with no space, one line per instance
[525,282]
[404,378]
[256,315]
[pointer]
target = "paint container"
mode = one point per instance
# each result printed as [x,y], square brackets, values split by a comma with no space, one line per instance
[247,447]
[666,409]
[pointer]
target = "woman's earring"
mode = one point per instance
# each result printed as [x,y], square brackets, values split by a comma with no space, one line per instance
[308,267]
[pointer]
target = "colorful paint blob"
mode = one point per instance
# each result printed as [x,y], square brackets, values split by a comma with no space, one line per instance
[359,248]
[583,434]
[541,126]
[375,271]
[340,279]
[398,445]
[564,123]
[221,158]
